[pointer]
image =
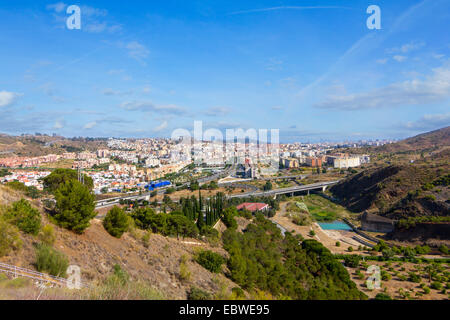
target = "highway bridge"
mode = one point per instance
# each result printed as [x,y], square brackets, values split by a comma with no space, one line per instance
[322,186]
[300,176]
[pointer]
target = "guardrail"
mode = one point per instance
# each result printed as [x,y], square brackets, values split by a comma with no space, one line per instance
[34,275]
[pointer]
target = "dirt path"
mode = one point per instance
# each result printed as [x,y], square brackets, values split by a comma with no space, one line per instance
[327,237]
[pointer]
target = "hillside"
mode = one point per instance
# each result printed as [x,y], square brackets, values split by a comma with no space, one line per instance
[40,145]
[434,140]
[96,252]
[410,181]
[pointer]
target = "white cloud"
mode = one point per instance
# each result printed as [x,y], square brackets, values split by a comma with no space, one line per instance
[90,125]
[8,98]
[111,92]
[438,56]
[218,111]
[277,108]
[382,61]
[274,64]
[161,127]
[399,58]
[429,122]
[147,106]
[408,47]
[57,7]
[434,88]
[59,124]
[137,51]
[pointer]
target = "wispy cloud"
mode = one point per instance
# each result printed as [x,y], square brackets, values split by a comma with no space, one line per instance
[147,106]
[428,122]
[136,50]
[408,47]
[434,88]
[399,58]
[90,125]
[8,98]
[218,111]
[57,7]
[288,8]
[161,127]
[59,124]
[112,92]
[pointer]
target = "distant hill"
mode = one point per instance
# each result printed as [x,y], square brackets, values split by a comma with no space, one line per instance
[39,145]
[426,141]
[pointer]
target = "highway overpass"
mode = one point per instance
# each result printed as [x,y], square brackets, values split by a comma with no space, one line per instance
[322,186]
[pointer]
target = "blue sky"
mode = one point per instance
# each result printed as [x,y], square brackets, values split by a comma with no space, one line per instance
[309,68]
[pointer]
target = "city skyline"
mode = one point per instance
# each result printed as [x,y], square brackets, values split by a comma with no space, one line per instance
[150,68]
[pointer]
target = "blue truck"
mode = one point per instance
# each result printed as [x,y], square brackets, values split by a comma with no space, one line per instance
[156,185]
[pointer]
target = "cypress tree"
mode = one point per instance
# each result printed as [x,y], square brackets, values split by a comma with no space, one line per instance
[200,220]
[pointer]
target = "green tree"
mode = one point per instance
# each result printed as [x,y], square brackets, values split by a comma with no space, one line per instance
[60,176]
[116,222]
[143,217]
[228,217]
[210,260]
[24,216]
[74,206]
[268,186]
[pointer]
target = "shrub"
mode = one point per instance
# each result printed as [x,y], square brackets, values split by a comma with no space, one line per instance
[436,285]
[312,233]
[146,238]
[338,244]
[51,261]
[170,190]
[352,261]
[385,276]
[47,235]
[413,277]
[238,293]
[443,249]
[198,294]
[426,290]
[382,296]
[350,249]
[185,274]
[210,261]
[24,216]
[9,238]
[116,222]
[74,206]
[119,276]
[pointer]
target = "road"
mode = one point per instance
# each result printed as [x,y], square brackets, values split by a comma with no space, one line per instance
[146,196]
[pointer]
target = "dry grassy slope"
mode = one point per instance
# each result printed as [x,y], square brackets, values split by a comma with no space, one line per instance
[379,189]
[29,146]
[96,252]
